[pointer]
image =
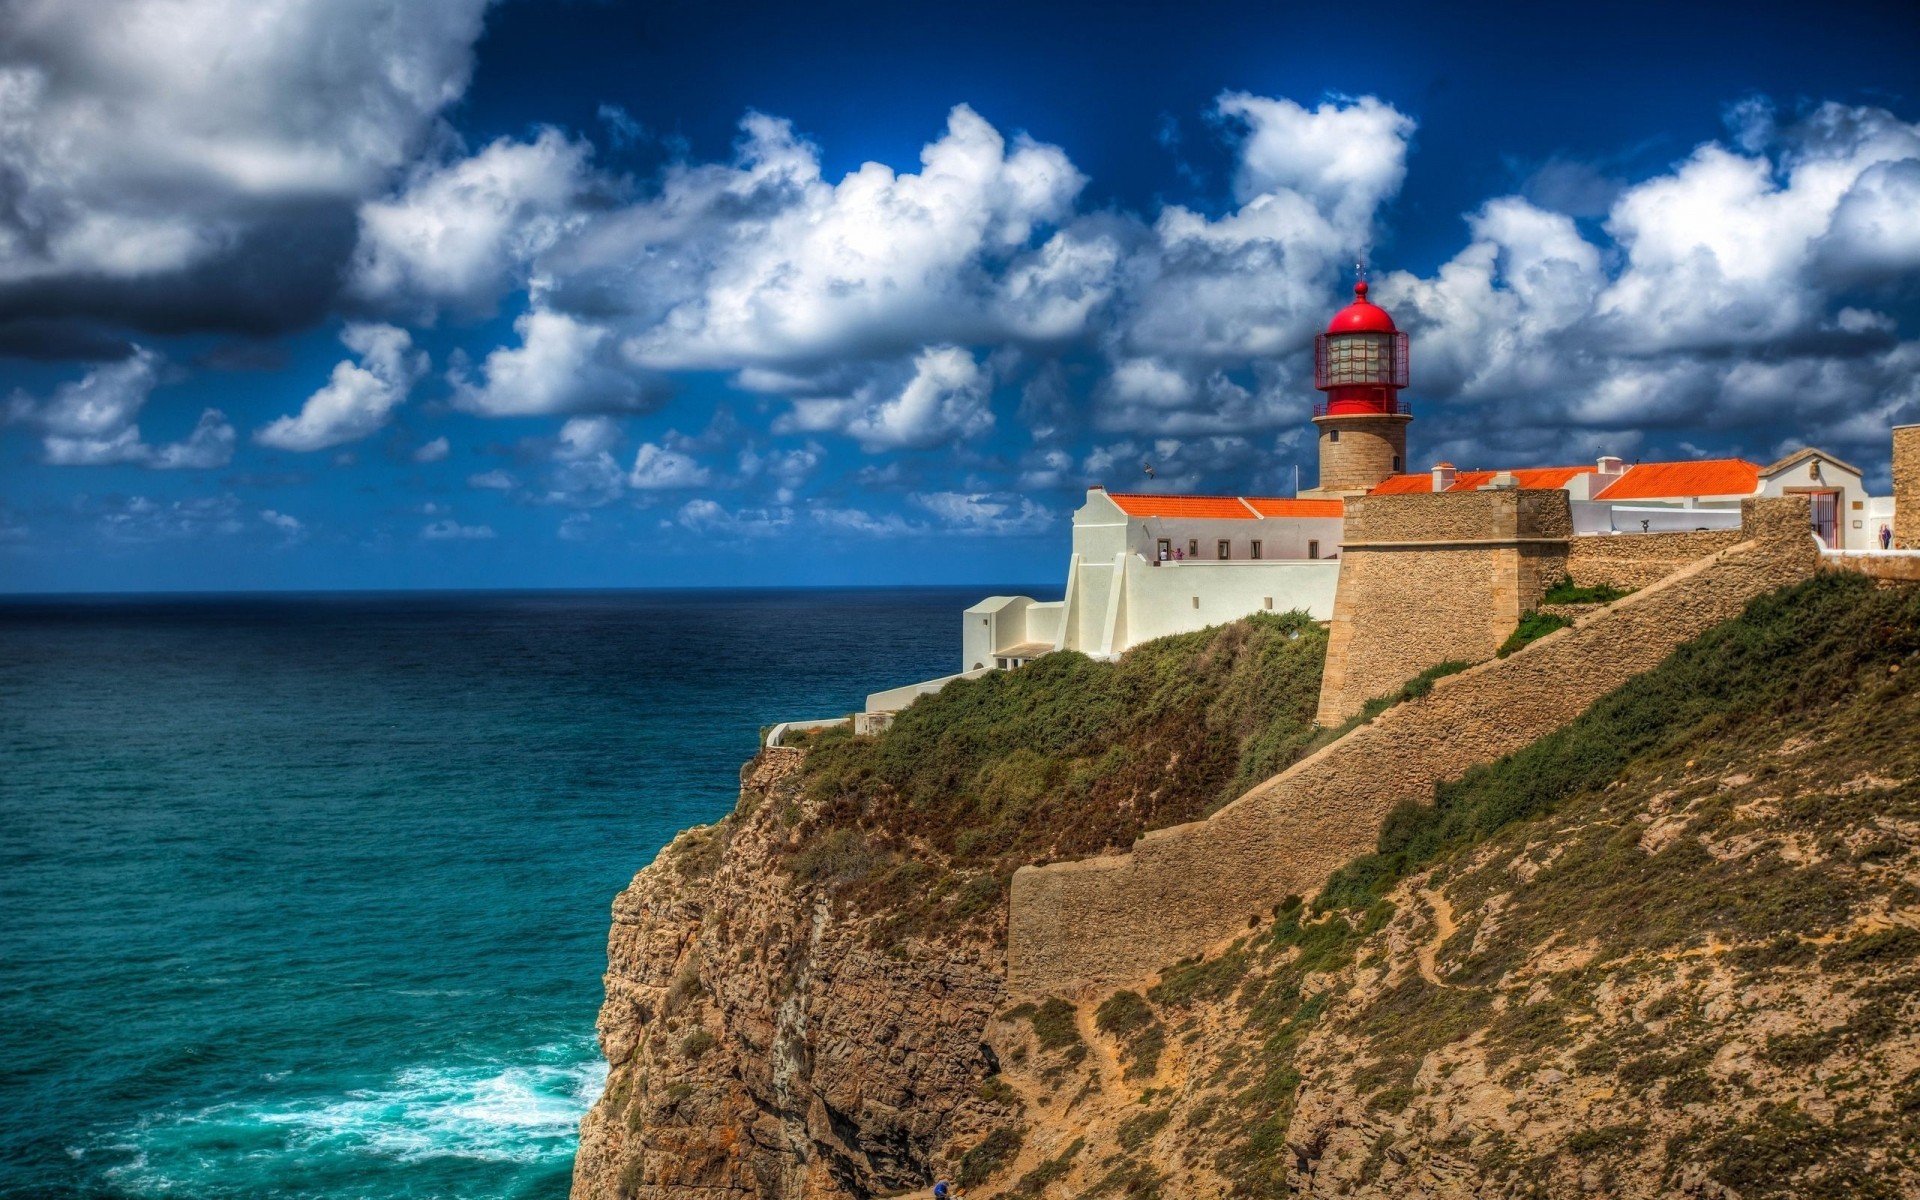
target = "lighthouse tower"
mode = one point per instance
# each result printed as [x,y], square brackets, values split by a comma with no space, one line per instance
[1360,362]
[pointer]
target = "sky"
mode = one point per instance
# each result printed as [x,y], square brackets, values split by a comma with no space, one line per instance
[452,294]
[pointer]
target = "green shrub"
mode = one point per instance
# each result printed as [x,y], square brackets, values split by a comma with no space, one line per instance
[1122,1013]
[1054,1025]
[987,1158]
[1566,592]
[1063,758]
[1533,627]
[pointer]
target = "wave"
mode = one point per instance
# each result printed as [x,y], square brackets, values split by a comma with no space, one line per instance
[492,1111]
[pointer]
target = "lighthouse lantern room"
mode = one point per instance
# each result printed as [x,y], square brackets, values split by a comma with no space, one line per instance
[1360,362]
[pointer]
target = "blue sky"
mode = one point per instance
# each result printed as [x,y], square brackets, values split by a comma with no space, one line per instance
[372,294]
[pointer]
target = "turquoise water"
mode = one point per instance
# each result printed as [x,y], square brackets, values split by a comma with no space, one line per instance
[308,897]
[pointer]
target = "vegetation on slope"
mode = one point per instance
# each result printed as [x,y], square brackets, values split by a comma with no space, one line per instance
[1736,823]
[1062,758]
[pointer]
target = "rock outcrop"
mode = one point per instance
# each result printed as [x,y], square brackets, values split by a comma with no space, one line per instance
[761,1045]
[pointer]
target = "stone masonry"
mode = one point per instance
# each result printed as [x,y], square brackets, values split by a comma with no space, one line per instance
[1634,560]
[1358,450]
[1906,487]
[1427,579]
[1118,918]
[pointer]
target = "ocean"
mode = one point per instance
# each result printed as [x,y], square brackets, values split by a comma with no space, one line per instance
[307,896]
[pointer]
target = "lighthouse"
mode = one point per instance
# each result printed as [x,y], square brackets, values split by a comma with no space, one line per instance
[1360,362]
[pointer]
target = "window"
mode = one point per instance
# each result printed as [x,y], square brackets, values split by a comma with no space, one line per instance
[1164,549]
[1255,547]
[1196,602]
[1268,601]
[1226,548]
[1333,435]
[1313,549]
[1396,462]
[1193,547]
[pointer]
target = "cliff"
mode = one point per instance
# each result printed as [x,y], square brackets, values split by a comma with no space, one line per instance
[1669,949]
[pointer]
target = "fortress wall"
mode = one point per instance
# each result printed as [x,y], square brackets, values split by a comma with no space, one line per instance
[1906,487]
[1427,579]
[1116,919]
[1635,560]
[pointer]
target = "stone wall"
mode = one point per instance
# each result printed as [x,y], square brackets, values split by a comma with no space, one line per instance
[1906,487]
[1427,579]
[1635,560]
[1118,918]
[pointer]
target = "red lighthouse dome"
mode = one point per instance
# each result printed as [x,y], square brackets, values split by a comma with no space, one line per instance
[1362,316]
[1360,362]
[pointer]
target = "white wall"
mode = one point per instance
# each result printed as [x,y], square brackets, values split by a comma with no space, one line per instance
[1279,537]
[1592,517]
[1879,512]
[1161,599]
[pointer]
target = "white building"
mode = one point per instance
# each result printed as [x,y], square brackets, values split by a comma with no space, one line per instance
[1614,496]
[1144,566]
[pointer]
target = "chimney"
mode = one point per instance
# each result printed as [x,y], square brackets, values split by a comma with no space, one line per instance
[1612,465]
[1442,476]
[1502,482]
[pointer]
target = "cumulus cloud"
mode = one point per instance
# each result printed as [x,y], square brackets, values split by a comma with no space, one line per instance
[709,517]
[563,364]
[359,398]
[137,519]
[434,451]
[92,421]
[495,480]
[1712,305]
[770,263]
[196,164]
[947,397]
[460,234]
[980,513]
[451,530]
[656,467]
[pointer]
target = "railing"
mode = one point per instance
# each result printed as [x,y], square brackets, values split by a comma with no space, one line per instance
[1392,408]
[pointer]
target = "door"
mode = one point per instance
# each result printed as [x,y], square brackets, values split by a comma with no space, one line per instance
[1826,517]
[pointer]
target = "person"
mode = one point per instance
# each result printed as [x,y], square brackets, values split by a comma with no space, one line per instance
[1886,537]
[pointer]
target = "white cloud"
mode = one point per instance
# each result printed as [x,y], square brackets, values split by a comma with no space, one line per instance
[359,398]
[291,528]
[586,437]
[434,451]
[143,519]
[209,445]
[562,364]
[788,469]
[854,520]
[656,468]
[450,530]
[576,527]
[996,514]
[708,517]
[1713,307]
[496,480]
[462,233]
[763,261]
[947,397]
[140,139]
[91,421]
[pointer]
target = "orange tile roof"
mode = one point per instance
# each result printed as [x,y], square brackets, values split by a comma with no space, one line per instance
[1283,506]
[1709,477]
[1139,504]
[1467,481]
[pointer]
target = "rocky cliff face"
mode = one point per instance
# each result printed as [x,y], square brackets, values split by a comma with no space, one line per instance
[1687,967]
[760,1045]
